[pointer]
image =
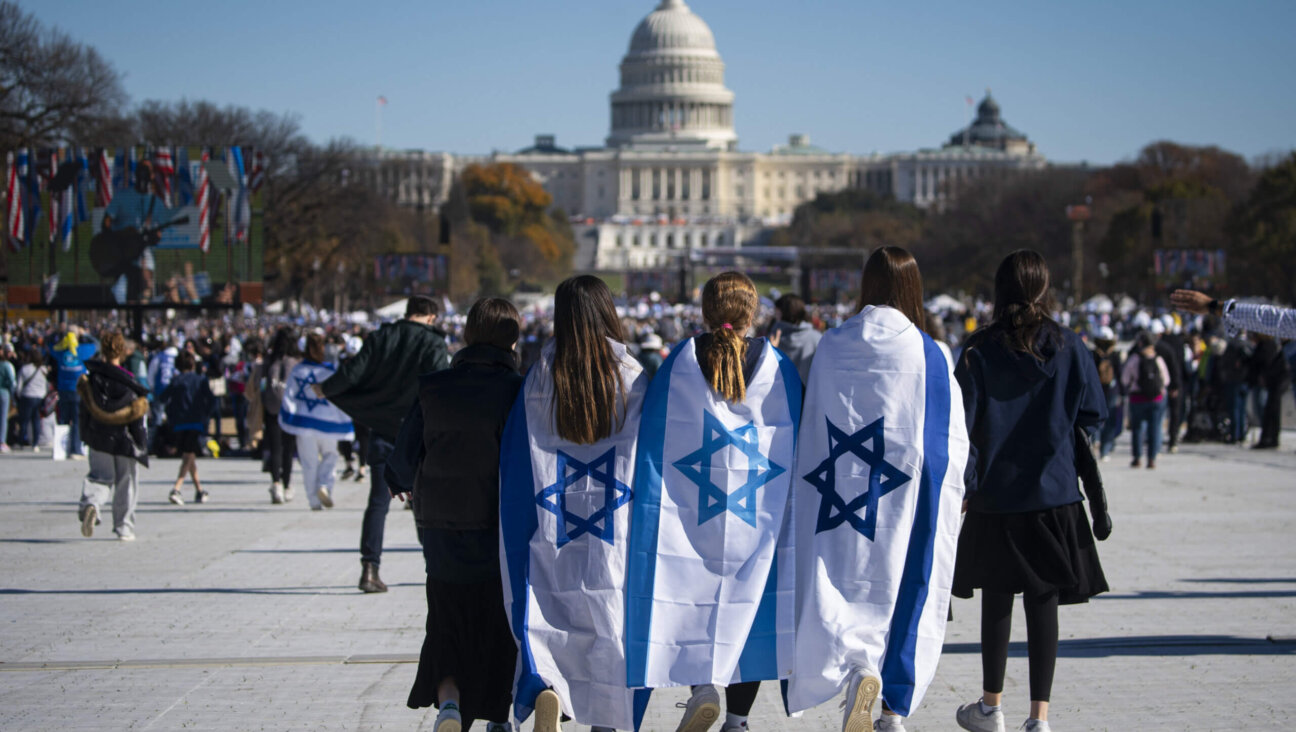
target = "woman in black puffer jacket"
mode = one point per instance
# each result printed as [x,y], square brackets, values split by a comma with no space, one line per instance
[113,405]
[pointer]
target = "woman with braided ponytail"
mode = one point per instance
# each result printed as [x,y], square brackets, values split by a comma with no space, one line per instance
[1028,384]
[709,600]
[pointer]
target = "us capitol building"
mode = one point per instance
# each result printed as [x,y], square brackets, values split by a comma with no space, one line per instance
[671,181]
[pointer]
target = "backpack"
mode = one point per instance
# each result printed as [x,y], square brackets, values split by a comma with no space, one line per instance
[1149,377]
[1235,363]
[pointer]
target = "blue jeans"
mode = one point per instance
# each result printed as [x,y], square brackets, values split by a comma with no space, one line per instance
[375,515]
[1111,429]
[1235,404]
[1146,416]
[4,416]
[69,408]
[29,420]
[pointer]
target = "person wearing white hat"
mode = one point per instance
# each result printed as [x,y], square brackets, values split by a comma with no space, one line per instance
[1107,357]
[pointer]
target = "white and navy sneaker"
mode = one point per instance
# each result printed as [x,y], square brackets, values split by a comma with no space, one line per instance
[449,719]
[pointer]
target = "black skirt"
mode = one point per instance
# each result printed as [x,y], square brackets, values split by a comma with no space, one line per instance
[468,639]
[1035,553]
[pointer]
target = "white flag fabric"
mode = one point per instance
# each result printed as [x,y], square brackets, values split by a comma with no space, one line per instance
[878,490]
[304,411]
[564,529]
[711,561]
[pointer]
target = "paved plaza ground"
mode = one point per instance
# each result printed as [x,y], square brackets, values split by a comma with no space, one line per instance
[241,615]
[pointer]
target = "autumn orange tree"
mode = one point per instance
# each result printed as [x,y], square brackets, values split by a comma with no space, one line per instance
[507,212]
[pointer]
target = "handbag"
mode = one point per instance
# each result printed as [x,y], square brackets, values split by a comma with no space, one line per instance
[49,404]
[217,386]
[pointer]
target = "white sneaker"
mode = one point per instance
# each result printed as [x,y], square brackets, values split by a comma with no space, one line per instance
[176,498]
[449,720]
[701,710]
[548,710]
[1035,725]
[125,535]
[89,517]
[861,691]
[288,494]
[889,723]
[735,727]
[276,494]
[325,499]
[970,717]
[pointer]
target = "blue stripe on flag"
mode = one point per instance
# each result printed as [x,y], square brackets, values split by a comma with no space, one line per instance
[518,523]
[898,665]
[310,423]
[759,658]
[645,517]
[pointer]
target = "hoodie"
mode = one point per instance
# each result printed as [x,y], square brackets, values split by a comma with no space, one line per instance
[799,343]
[1021,415]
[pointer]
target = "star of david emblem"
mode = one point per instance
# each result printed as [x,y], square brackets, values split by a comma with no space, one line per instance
[553,498]
[696,466]
[883,478]
[306,394]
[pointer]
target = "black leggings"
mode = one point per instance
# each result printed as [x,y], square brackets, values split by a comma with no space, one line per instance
[281,447]
[1041,640]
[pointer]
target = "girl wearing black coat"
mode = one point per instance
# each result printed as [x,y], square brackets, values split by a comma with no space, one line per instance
[113,405]
[448,453]
[1028,384]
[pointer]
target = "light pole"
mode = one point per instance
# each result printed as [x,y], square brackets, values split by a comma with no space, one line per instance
[1078,215]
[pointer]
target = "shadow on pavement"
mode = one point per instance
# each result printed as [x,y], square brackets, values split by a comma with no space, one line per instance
[321,590]
[1151,645]
[1172,595]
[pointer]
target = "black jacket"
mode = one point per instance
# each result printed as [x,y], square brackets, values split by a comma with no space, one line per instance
[1270,367]
[378,385]
[113,405]
[1021,415]
[1170,347]
[462,411]
[188,401]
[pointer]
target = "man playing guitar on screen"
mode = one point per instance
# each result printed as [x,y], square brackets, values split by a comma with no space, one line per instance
[139,209]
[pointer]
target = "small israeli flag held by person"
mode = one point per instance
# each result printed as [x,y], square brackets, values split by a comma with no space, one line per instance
[711,560]
[564,532]
[879,490]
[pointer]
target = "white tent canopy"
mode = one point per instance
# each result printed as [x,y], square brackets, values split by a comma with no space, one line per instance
[393,311]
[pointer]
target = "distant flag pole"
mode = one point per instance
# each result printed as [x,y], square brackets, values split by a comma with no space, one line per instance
[204,205]
[382,102]
[14,199]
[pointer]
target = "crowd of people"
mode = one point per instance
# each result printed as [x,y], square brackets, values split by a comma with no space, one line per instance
[581,548]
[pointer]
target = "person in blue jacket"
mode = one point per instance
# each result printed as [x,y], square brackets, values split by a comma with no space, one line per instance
[70,354]
[188,400]
[1028,383]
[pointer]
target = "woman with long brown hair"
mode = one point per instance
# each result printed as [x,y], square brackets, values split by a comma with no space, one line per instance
[566,462]
[710,566]
[1028,383]
[878,493]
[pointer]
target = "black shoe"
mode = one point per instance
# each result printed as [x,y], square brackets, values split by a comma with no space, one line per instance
[369,580]
[201,496]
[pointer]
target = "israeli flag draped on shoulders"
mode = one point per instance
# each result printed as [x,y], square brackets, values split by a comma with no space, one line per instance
[302,410]
[878,488]
[564,529]
[711,558]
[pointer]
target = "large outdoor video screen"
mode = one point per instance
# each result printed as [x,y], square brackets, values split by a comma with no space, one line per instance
[105,228]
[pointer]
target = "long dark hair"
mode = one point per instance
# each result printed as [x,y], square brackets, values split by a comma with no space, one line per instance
[729,303]
[891,278]
[1022,303]
[589,393]
[284,344]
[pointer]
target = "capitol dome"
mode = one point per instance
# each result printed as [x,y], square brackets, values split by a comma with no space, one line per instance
[672,85]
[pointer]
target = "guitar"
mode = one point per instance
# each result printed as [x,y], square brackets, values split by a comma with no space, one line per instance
[112,253]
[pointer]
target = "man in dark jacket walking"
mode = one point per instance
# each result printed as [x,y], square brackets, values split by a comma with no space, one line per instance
[1170,346]
[376,388]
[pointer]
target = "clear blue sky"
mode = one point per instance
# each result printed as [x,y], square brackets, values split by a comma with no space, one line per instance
[1093,81]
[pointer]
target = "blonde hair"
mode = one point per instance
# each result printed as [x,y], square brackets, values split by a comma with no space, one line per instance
[728,306]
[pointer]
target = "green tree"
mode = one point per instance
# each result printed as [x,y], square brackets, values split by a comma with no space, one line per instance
[1264,259]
